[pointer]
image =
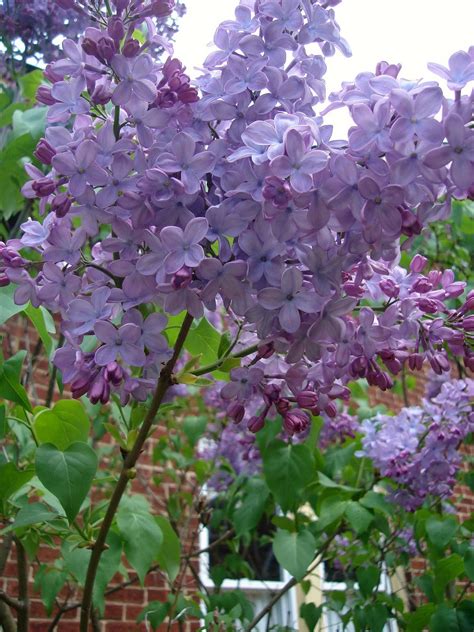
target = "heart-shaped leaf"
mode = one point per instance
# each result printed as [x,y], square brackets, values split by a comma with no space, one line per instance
[65,424]
[67,474]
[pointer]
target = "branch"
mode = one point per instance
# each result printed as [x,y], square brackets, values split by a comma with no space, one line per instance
[9,601]
[7,622]
[288,586]
[52,379]
[6,619]
[164,382]
[215,365]
[23,610]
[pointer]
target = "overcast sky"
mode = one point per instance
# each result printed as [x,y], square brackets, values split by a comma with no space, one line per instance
[410,32]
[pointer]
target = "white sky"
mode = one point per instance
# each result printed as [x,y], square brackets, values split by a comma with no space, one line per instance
[410,32]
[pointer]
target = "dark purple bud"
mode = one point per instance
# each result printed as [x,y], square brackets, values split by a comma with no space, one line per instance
[116,29]
[106,48]
[120,5]
[415,361]
[44,152]
[4,280]
[283,406]
[256,423]
[276,190]
[271,394]
[236,412]
[61,204]
[296,421]
[427,305]
[99,391]
[331,410]
[43,187]
[102,93]
[50,75]
[114,373]
[89,46]
[265,351]
[159,8]
[439,363]
[43,95]
[182,278]
[131,48]
[307,399]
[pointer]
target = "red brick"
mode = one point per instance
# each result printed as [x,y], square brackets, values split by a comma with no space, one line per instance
[128,595]
[114,611]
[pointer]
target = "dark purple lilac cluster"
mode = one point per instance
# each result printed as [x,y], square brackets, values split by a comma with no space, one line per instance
[418,449]
[159,196]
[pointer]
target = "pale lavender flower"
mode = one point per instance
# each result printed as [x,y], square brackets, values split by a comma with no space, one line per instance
[183,246]
[123,342]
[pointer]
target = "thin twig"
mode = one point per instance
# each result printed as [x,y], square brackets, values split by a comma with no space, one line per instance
[164,382]
[23,610]
[52,379]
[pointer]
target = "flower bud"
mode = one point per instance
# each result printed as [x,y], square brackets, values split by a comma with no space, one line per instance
[418,263]
[389,288]
[236,412]
[120,5]
[283,406]
[106,48]
[102,92]
[468,323]
[422,285]
[43,95]
[43,187]
[4,280]
[61,204]
[44,152]
[265,351]
[296,421]
[182,278]
[256,423]
[307,399]
[331,410]
[415,361]
[114,373]
[116,29]
[89,46]
[131,48]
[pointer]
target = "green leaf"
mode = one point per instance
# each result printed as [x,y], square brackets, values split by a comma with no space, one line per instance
[325,481]
[29,84]
[34,513]
[373,500]
[445,619]
[12,479]
[446,570]
[154,613]
[368,578]
[64,424]
[377,616]
[358,517]
[203,340]
[137,527]
[108,566]
[294,551]
[10,386]
[43,323]
[48,581]
[3,421]
[311,615]
[194,427]
[440,531]
[6,115]
[288,469]
[331,509]
[247,515]
[67,474]
[30,122]
[8,307]
[419,619]
[469,563]
[169,555]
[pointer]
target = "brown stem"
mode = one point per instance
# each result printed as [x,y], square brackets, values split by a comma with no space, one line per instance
[164,382]
[95,621]
[7,622]
[9,601]
[22,565]
[52,379]
[6,619]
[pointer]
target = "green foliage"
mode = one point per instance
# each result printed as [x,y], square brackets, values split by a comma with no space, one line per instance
[68,474]
[64,424]
[294,551]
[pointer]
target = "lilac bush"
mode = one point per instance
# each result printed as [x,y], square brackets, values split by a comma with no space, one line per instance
[232,195]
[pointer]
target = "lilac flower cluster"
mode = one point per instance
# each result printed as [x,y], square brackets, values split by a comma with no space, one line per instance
[338,429]
[231,194]
[32,26]
[418,448]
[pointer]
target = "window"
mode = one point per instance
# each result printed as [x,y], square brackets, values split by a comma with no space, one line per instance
[268,579]
[334,580]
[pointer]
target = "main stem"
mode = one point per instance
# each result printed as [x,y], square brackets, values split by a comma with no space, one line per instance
[164,382]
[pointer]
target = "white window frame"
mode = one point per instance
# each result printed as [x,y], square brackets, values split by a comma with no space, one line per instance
[249,585]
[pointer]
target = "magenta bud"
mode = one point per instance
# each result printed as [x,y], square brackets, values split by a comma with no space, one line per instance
[114,373]
[418,263]
[265,351]
[106,48]
[296,421]
[331,410]
[415,361]
[182,278]
[131,48]
[422,285]
[102,93]
[271,394]
[4,280]
[307,399]
[236,412]
[121,5]
[160,8]
[389,288]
